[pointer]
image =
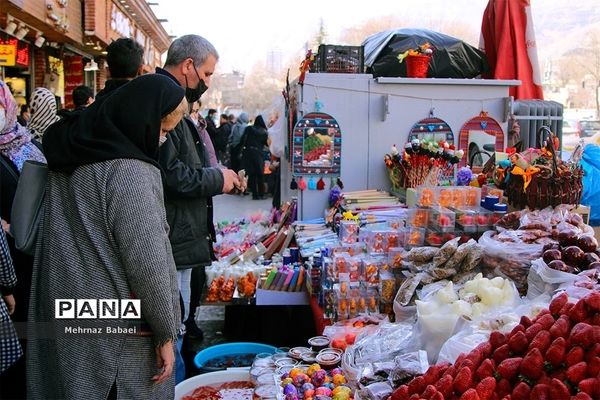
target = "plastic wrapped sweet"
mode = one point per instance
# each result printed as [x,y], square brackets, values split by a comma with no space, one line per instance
[446,252]
[461,252]
[422,254]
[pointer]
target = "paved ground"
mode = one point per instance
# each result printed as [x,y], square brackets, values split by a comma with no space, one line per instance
[211,319]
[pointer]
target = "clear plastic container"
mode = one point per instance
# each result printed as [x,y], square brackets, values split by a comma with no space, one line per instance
[472,196]
[348,232]
[427,196]
[466,219]
[442,219]
[484,220]
[418,217]
[415,237]
[395,256]
[436,238]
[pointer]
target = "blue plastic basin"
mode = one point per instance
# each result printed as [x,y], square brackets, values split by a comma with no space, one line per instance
[229,349]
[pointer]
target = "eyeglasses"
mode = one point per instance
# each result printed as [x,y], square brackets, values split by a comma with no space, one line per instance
[194,111]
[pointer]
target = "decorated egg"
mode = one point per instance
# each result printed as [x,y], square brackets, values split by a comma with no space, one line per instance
[318,378]
[311,369]
[336,371]
[323,391]
[294,371]
[341,396]
[308,386]
[286,382]
[339,379]
[290,389]
[291,396]
[342,390]
[300,379]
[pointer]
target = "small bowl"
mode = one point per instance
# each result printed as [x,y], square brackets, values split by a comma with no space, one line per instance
[296,352]
[285,362]
[268,378]
[266,392]
[332,350]
[328,360]
[318,343]
[309,357]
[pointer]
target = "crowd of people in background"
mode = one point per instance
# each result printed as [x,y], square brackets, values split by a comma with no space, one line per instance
[132,173]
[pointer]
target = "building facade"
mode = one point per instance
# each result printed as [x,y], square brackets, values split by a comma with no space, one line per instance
[60,44]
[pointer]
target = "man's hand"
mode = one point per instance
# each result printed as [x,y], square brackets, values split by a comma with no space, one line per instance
[10,303]
[165,360]
[5,226]
[231,180]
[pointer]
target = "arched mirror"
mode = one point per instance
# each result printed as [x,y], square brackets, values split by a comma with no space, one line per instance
[317,145]
[480,138]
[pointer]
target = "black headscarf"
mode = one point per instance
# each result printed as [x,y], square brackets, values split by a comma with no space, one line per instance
[259,122]
[123,125]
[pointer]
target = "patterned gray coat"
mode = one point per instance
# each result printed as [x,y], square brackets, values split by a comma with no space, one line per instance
[104,235]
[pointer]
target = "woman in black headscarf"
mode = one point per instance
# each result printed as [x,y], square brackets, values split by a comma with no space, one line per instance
[253,141]
[104,236]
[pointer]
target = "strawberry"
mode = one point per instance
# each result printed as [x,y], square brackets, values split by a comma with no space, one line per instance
[545,379]
[582,396]
[497,339]
[475,357]
[592,300]
[470,394]
[596,329]
[532,331]
[533,365]
[541,314]
[582,334]
[575,355]
[509,368]
[501,353]
[540,392]
[590,386]
[401,393]
[434,373]
[437,396]
[518,328]
[486,369]
[546,321]
[507,397]
[417,385]
[525,321]
[451,371]
[521,392]
[558,390]
[463,380]
[556,353]
[430,390]
[467,363]
[486,388]
[560,328]
[594,351]
[558,303]
[541,341]
[576,373]
[485,348]
[444,386]
[414,397]
[503,388]
[559,374]
[460,358]
[593,369]
[518,342]
[579,312]
[566,309]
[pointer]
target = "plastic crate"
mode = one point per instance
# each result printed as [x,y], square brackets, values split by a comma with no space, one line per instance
[340,59]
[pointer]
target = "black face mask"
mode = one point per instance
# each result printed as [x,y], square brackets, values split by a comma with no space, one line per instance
[193,95]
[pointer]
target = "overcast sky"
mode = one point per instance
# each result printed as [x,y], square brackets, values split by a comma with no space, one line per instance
[243,31]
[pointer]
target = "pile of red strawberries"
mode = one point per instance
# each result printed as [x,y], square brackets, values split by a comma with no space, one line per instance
[555,356]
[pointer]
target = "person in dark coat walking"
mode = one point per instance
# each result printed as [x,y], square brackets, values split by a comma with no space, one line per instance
[253,142]
[211,127]
[223,132]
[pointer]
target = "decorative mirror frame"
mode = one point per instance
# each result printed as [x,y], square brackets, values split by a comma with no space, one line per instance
[431,125]
[482,122]
[316,120]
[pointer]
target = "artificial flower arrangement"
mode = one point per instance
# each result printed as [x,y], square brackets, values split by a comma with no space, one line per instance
[424,49]
[422,161]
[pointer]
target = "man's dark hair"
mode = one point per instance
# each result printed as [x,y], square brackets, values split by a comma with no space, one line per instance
[124,57]
[225,117]
[211,111]
[81,95]
[24,108]
[231,117]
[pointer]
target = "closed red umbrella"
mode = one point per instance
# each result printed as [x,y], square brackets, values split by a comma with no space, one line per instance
[508,39]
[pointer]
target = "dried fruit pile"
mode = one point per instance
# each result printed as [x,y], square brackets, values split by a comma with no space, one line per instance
[555,356]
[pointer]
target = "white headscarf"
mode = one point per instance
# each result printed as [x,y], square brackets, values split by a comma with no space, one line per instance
[43,112]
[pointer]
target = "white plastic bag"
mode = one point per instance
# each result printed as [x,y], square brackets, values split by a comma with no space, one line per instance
[544,280]
[462,342]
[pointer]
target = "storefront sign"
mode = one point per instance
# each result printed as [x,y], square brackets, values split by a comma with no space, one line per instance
[8,55]
[119,22]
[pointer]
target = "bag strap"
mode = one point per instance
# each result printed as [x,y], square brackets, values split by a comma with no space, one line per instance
[10,168]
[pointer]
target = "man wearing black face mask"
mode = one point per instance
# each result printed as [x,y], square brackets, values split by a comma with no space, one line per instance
[189,181]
